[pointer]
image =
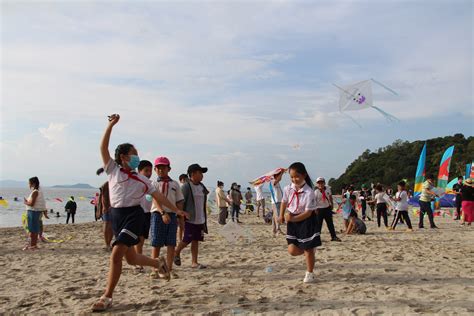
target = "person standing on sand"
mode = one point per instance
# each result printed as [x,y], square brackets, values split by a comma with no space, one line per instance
[382,200]
[103,212]
[221,202]
[127,189]
[70,209]
[164,222]
[302,223]
[145,169]
[324,204]
[248,200]
[36,207]
[260,198]
[236,200]
[457,190]
[195,199]
[277,196]
[467,191]
[426,196]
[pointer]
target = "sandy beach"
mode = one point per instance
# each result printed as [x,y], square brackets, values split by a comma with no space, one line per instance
[427,271]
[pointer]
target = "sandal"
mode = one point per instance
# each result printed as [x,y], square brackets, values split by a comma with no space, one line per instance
[199,266]
[163,269]
[177,260]
[103,304]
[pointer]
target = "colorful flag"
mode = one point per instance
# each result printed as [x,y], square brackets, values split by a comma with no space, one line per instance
[420,172]
[444,167]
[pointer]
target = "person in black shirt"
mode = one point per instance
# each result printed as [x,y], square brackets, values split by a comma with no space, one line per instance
[70,208]
[457,190]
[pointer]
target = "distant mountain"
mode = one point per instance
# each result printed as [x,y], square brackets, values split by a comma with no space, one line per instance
[74,186]
[13,184]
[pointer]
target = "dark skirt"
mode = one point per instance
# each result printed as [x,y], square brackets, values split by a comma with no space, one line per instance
[305,234]
[127,224]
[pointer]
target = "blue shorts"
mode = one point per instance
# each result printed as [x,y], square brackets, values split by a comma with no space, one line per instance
[34,221]
[163,234]
[127,224]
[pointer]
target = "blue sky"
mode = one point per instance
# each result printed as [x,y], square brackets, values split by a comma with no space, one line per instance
[231,85]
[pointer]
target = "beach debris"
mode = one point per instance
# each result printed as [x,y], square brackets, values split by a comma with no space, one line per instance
[269,269]
[231,232]
[358,96]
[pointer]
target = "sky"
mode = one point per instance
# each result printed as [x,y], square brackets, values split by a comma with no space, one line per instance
[240,87]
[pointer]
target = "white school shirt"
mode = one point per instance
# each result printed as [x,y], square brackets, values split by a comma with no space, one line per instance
[320,202]
[402,205]
[198,195]
[277,194]
[382,197]
[123,190]
[147,203]
[173,194]
[259,193]
[298,202]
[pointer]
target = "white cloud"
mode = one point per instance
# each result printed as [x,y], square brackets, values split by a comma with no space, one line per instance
[54,133]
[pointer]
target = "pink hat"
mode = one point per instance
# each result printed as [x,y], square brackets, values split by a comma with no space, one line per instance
[162,161]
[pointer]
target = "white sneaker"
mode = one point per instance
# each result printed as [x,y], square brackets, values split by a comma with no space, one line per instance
[309,278]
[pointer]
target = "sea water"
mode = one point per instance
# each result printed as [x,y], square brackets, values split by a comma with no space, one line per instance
[11,216]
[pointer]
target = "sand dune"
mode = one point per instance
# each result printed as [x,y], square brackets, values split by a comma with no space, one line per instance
[383,272]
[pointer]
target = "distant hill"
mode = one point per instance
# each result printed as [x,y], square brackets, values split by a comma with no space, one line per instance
[74,186]
[13,184]
[389,165]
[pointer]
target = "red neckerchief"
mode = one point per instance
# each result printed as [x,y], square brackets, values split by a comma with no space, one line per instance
[296,194]
[324,194]
[132,175]
[165,187]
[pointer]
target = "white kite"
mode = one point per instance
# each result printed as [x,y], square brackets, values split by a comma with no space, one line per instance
[358,96]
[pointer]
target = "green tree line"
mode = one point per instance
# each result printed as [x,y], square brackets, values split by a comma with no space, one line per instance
[390,164]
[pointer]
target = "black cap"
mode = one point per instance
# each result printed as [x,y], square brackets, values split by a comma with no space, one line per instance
[196,167]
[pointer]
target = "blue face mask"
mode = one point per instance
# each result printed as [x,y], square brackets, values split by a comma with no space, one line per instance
[134,162]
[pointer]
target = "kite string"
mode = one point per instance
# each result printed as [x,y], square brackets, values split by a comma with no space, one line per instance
[384,86]
[352,119]
[388,116]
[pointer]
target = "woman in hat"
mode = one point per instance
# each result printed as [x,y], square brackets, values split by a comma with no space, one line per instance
[467,191]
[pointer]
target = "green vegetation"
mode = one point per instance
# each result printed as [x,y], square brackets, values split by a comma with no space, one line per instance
[399,161]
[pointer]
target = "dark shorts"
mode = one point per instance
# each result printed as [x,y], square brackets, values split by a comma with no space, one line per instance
[127,224]
[193,232]
[163,234]
[146,226]
[34,221]
[107,217]
[305,234]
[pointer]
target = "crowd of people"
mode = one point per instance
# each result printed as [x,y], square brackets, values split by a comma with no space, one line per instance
[173,214]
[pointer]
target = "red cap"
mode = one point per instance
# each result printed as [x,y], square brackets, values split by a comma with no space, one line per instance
[162,161]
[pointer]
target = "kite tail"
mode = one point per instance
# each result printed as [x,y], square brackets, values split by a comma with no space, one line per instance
[384,86]
[388,116]
[352,119]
